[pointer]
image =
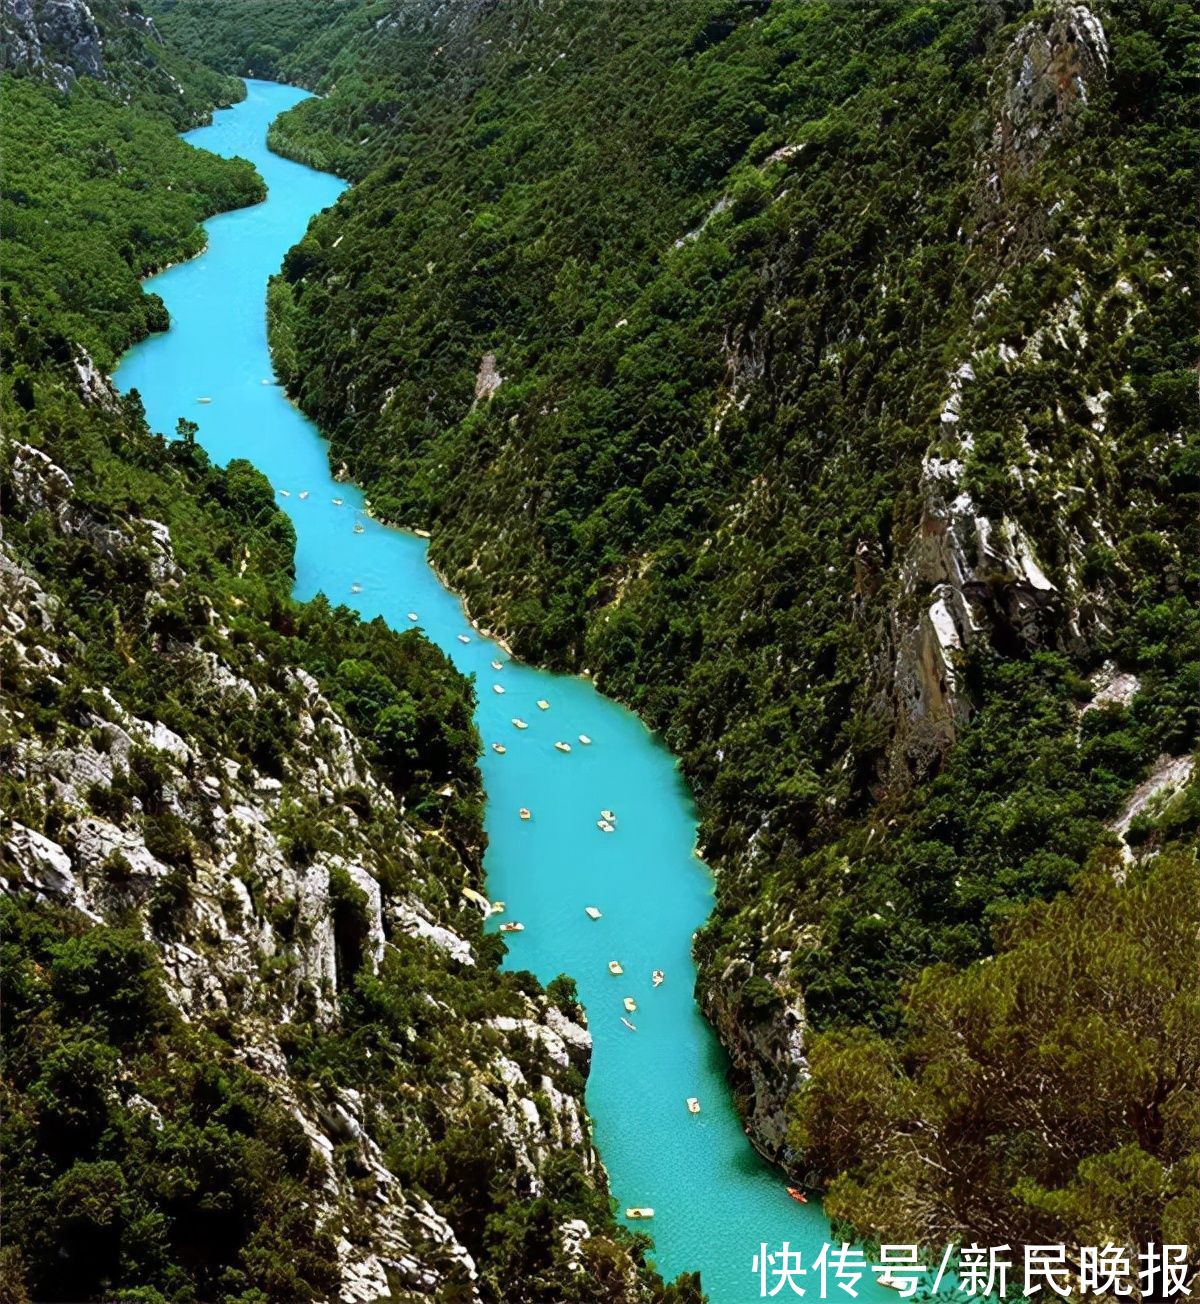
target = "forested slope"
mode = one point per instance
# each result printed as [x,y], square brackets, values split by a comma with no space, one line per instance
[256,1044]
[821,378]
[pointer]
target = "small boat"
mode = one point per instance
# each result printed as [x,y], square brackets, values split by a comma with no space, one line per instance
[497,907]
[543,705]
[266,381]
[639,1213]
[303,493]
[657,977]
[421,534]
[337,502]
[693,1105]
[887,1279]
[524,813]
[499,748]
[797,1194]
[412,615]
[614,967]
[630,1005]
[359,527]
[355,588]
[608,815]
[519,724]
[497,665]
[283,493]
[591,912]
[497,688]
[562,747]
[585,740]
[204,400]
[630,1026]
[514,926]
[463,638]
[604,826]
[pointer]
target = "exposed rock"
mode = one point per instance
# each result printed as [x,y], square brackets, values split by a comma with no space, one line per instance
[488,380]
[1050,66]
[766,1046]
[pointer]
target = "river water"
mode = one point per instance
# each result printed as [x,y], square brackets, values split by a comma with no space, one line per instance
[715,1201]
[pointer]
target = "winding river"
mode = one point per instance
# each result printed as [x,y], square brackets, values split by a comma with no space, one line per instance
[715,1201]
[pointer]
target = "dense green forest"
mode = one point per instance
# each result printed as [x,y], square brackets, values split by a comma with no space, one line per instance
[190,1006]
[820,377]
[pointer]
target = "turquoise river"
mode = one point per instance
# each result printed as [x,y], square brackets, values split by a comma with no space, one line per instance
[715,1201]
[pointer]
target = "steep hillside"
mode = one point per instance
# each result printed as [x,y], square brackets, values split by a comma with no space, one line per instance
[256,1044]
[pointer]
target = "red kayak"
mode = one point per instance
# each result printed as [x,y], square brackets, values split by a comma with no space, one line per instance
[797,1194]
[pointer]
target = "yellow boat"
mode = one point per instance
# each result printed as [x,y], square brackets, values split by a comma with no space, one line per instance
[543,705]
[525,813]
[609,815]
[639,1212]
[497,907]
[630,1005]
[518,723]
[499,748]
[604,826]
[591,912]
[614,967]
[562,747]
[585,740]
[693,1105]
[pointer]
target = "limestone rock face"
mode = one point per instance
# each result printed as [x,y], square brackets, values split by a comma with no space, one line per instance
[244,923]
[759,1015]
[58,38]
[1051,65]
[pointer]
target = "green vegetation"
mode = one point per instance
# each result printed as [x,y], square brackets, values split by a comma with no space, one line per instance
[96,197]
[1049,1095]
[728,258]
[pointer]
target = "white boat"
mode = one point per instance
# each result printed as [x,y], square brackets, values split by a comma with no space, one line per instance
[605,827]
[497,688]
[515,926]
[463,638]
[497,665]
[885,1278]
[359,527]
[499,748]
[412,615]
[302,494]
[637,1212]
[630,1005]
[283,493]
[608,815]
[204,400]
[614,967]
[524,813]
[266,381]
[585,740]
[543,705]
[629,1025]
[337,502]
[497,907]
[355,588]
[562,747]
[591,912]
[657,977]
[693,1105]
[519,724]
